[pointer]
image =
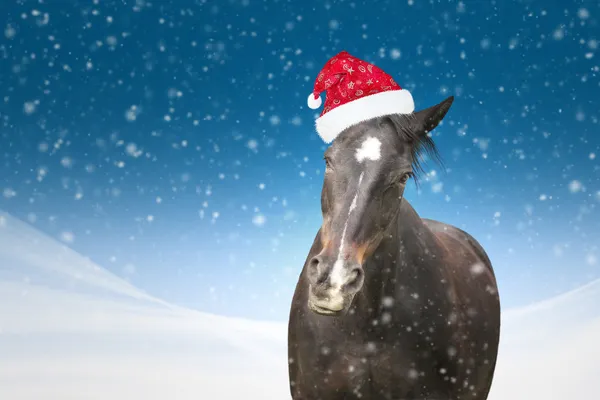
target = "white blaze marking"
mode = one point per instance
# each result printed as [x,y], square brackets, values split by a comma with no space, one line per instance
[338,274]
[370,150]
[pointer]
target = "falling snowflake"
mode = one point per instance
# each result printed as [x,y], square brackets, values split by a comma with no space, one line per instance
[259,220]
[559,33]
[9,193]
[388,301]
[66,162]
[10,32]
[133,150]
[477,268]
[575,186]
[583,13]
[30,106]
[413,373]
[252,145]
[67,237]
[275,120]
[132,113]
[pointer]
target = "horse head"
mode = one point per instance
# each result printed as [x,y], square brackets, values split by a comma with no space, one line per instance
[367,168]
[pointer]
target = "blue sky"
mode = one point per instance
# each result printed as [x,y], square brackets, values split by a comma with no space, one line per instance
[171,142]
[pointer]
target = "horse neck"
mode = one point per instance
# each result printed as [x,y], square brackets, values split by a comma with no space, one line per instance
[399,259]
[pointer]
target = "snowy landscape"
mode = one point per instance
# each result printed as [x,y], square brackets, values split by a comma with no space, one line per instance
[71,330]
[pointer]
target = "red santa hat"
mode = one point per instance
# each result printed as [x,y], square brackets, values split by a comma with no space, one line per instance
[356,91]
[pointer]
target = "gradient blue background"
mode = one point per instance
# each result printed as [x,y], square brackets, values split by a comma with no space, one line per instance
[171,143]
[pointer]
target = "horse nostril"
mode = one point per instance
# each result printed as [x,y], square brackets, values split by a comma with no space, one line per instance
[355,279]
[314,262]
[315,274]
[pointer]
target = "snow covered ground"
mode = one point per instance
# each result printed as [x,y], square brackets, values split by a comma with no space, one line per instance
[71,330]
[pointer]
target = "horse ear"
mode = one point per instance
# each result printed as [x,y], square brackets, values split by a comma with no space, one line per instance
[426,120]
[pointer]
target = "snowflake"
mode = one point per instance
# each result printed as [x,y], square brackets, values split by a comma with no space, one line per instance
[30,106]
[575,186]
[395,54]
[259,220]
[67,237]
[477,268]
[9,193]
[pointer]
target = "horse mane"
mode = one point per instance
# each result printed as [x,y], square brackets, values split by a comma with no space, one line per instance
[423,146]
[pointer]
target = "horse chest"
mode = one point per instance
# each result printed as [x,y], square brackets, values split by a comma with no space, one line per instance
[361,370]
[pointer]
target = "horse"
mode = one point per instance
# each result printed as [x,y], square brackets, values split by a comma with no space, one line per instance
[390,305]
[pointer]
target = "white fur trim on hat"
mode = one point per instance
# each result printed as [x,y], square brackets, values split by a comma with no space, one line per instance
[314,103]
[334,122]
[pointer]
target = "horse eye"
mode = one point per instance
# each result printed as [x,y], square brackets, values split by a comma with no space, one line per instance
[327,163]
[405,177]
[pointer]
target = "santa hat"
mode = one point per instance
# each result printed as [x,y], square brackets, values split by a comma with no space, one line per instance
[356,91]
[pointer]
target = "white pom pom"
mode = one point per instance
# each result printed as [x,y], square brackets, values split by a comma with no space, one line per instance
[314,103]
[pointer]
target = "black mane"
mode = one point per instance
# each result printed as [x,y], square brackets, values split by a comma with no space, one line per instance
[423,144]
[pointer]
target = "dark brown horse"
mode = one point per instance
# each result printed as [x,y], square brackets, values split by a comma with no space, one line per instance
[390,305]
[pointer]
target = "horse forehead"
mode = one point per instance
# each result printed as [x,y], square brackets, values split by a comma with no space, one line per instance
[369,147]
[369,150]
